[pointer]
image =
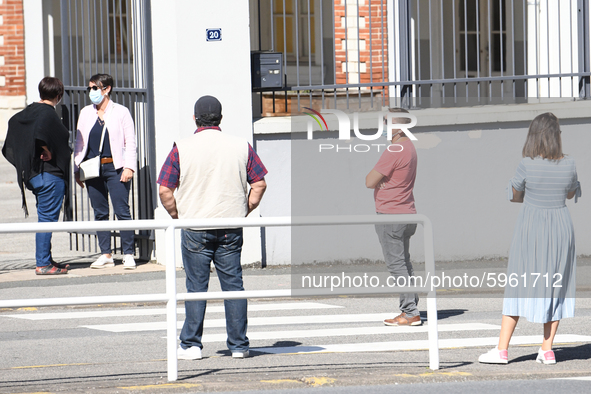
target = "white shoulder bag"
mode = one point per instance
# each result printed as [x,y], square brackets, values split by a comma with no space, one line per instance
[91,168]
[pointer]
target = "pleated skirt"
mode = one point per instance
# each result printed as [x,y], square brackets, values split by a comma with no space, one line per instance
[541,282]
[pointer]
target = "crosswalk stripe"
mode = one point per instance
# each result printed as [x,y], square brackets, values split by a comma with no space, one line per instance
[374,318]
[253,321]
[416,344]
[252,307]
[351,331]
[573,378]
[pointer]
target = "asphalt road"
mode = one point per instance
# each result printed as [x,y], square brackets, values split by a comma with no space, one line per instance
[513,386]
[324,342]
[328,344]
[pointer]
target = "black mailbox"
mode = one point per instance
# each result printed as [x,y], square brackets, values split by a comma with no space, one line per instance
[267,70]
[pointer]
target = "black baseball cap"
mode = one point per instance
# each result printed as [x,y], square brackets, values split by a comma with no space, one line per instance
[208,105]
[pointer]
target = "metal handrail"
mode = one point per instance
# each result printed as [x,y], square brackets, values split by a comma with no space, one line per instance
[171,297]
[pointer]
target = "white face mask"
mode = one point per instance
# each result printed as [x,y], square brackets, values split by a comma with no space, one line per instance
[96,97]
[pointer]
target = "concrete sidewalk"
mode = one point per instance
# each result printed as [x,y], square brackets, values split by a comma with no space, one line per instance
[17,251]
[80,268]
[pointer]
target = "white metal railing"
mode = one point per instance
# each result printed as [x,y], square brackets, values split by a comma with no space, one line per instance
[171,297]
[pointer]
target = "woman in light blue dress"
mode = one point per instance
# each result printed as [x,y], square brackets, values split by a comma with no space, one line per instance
[542,259]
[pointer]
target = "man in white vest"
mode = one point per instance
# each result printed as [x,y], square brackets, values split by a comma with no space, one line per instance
[210,172]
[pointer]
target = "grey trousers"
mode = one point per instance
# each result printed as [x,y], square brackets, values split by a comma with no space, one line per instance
[395,241]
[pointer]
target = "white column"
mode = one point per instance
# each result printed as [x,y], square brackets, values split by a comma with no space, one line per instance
[34,63]
[393,46]
[354,23]
[186,67]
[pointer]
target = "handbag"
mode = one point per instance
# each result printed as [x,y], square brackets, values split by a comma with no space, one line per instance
[91,168]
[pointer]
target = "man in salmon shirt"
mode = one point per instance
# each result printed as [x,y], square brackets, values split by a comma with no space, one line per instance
[393,180]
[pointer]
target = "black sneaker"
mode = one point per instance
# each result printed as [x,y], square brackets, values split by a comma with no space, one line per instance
[58,265]
[50,270]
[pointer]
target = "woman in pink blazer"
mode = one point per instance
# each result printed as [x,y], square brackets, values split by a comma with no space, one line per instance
[118,163]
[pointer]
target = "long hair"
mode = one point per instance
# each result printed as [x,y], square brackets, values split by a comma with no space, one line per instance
[543,138]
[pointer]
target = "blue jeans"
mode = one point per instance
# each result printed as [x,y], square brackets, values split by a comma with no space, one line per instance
[49,190]
[224,247]
[99,189]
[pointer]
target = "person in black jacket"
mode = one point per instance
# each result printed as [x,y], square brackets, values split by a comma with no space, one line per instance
[37,144]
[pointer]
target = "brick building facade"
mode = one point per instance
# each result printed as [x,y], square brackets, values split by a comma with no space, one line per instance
[358,25]
[12,61]
[12,48]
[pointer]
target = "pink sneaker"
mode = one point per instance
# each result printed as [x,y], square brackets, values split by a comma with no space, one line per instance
[494,356]
[546,357]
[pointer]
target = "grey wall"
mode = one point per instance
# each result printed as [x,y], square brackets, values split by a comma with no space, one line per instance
[275,152]
[460,186]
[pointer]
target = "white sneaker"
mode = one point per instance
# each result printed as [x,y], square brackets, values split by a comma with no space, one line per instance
[546,357]
[494,356]
[190,353]
[240,354]
[103,262]
[128,262]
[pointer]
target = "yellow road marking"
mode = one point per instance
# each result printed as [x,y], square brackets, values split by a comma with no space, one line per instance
[279,381]
[27,309]
[160,386]
[316,382]
[47,366]
[453,373]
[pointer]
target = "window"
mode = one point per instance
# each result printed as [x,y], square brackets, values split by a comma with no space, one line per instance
[305,37]
[482,37]
[118,29]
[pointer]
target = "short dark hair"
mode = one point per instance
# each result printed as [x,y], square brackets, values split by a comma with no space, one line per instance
[400,110]
[102,80]
[51,88]
[208,120]
[208,111]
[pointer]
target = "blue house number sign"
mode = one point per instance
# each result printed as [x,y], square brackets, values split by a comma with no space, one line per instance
[214,34]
